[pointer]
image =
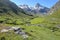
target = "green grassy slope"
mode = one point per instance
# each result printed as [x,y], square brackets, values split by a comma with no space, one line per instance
[46,28]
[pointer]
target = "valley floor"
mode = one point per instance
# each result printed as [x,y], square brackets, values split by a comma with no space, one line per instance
[33,32]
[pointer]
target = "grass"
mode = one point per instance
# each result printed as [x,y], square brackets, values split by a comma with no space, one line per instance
[34,31]
[37,20]
[10,36]
[38,33]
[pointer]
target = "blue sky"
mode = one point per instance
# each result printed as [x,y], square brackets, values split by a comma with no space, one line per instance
[46,3]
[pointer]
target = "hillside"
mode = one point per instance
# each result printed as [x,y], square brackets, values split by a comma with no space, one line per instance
[10,11]
[56,9]
[8,8]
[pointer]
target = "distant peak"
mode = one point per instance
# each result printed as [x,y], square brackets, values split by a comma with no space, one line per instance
[37,5]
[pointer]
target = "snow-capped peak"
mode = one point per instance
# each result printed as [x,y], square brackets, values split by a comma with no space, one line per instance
[35,9]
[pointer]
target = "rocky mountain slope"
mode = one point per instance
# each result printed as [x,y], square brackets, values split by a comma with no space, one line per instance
[55,7]
[56,10]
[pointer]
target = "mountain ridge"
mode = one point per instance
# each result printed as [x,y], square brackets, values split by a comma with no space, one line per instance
[9,8]
[37,9]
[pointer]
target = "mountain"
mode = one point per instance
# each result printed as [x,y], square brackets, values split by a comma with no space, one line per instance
[55,8]
[10,13]
[37,9]
[8,8]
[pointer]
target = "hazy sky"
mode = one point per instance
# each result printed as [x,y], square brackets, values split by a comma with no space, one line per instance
[46,3]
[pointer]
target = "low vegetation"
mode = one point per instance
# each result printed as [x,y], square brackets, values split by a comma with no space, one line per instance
[37,28]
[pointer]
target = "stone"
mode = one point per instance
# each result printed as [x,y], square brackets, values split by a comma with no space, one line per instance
[4,30]
[22,33]
[17,30]
[25,36]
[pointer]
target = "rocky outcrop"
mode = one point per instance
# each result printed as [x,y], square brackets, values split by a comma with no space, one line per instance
[17,30]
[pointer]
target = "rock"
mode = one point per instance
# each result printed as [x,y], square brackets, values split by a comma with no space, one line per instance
[4,30]
[8,28]
[25,36]
[17,30]
[22,33]
[58,26]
